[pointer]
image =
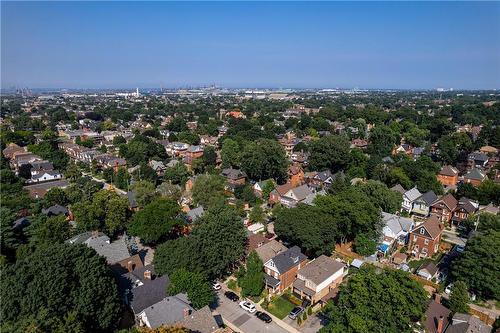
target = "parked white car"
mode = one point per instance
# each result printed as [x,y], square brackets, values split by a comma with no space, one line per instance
[216,285]
[448,288]
[248,306]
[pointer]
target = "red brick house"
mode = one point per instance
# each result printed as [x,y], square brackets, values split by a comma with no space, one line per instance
[444,207]
[295,175]
[475,177]
[465,208]
[425,238]
[278,192]
[281,270]
[448,176]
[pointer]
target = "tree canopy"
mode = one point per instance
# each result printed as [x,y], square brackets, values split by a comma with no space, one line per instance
[329,152]
[194,284]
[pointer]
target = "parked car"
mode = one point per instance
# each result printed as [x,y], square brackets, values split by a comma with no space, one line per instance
[232,296]
[296,311]
[248,306]
[216,285]
[263,316]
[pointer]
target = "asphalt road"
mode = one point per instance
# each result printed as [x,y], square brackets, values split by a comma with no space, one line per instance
[245,321]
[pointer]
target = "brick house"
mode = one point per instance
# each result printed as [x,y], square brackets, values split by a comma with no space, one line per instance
[448,176]
[318,278]
[475,177]
[295,175]
[281,270]
[444,207]
[278,192]
[425,238]
[234,176]
[465,208]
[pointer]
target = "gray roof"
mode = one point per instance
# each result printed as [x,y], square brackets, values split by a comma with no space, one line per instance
[168,311]
[200,321]
[429,267]
[413,194]
[475,174]
[132,202]
[288,259]
[428,197]
[301,192]
[269,250]
[42,165]
[465,323]
[195,213]
[398,188]
[397,223]
[55,210]
[320,269]
[233,173]
[141,292]
[83,237]
[112,251]
[20,223]
[271,281]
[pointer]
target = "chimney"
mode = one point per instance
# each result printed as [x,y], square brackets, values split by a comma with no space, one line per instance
[437,298]
[147,274]
[130,266]
[95,233]
[440,324]
[187,312]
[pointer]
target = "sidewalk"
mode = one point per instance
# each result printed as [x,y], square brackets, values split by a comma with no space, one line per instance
[278,321]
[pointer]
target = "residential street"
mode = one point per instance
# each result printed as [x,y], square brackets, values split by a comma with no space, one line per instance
[452,237]
[243,320]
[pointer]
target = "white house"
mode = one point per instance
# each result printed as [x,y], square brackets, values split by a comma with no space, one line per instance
[409,197]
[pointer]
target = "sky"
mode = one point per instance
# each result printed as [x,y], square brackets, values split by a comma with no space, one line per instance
[405,45]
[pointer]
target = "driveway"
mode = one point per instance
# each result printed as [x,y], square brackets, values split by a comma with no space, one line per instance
[241,319]
[312,325]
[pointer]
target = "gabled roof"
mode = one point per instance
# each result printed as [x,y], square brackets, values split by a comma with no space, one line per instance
[233,173]
[195,213]
[269,250]
[448,200]
[397,223]
[168,311]
[433,226]
[448,170]
[476,156]
[475,174]
[433,313]
[55,210]
[468,205]
[288,259]
[465,323]
[300,192]
[429,267]
[412,194]
[281,190]
[398,188]
[428,197]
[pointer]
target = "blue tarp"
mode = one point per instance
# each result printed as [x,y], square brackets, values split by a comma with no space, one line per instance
[383,247]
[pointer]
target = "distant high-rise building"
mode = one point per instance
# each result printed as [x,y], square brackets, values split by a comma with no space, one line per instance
[137,92]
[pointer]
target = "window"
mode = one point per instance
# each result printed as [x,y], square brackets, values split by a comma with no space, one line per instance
[414,238]
[422,231]
[426,242]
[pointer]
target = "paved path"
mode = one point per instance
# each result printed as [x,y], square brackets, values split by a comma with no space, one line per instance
[241,320]
[106,185]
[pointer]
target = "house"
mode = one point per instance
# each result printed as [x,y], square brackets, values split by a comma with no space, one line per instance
[269,250]
[158,167]
[194,152]
[422,205]
[295,195]
[142,288]
[425,238]
[489,150]
[258,187]
[444,207]
[318,278]
[194,214]
[465,208]
[45,176]
[132,201]
[408,198]
[323,179]
[477,160]
[475,177]
[281,270]
[359,143]
[427,271]
[234,176]
[448,176]
[399,189]
[276,194]
[295,175]
[113,251]
[12,149]
[466,323]
[436,316]
[39,190]
[55,210]
[395,230]
[255,241]
[39,167]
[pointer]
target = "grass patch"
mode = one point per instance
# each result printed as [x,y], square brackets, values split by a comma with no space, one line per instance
[280,307]
[232,285]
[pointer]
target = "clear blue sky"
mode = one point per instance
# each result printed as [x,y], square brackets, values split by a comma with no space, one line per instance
[251,44]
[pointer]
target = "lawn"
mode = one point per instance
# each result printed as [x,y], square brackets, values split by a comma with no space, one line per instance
[280,307]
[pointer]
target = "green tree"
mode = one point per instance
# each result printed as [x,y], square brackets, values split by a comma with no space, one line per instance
[155,221]
[371,301]
[230,153]
[364,245]
[177,174]
[144,192]
[268,187]
[209,156]
[256,214]
[382,140]
[459,298]
[72,172]
[428,182]
[59,281]
[194,284]
[169,190]
[208,190]
[121,179]
[252,281]
[484,222]
[56,196]
[381,196]
[330,152]
[398,176]
[51,230]
[478,265]
[264,159]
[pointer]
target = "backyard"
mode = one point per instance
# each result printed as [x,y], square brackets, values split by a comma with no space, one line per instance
[280,307]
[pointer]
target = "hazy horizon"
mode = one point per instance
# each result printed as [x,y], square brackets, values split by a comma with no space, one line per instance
[369,45]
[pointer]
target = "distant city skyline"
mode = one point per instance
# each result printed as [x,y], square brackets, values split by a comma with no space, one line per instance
[370,45]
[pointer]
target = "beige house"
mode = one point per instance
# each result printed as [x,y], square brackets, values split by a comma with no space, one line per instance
[318,279]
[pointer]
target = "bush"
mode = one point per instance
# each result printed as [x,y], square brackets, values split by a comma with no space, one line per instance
[299,320]
[309,311]
[304,317]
